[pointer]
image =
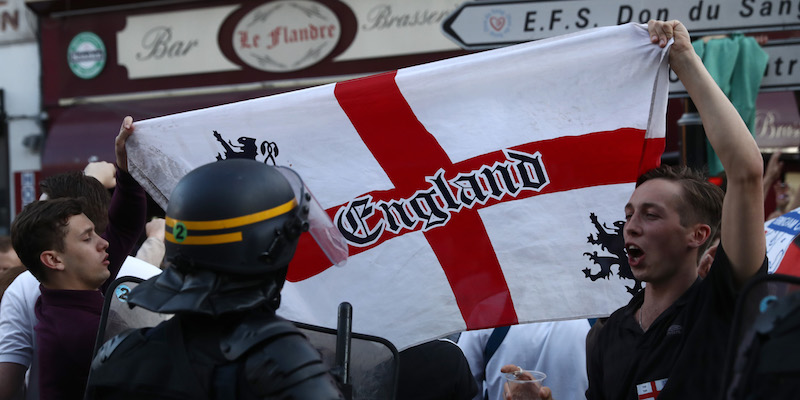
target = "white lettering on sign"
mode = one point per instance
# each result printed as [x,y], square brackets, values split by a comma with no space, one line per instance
[777,121]
[767,127]
[173,43]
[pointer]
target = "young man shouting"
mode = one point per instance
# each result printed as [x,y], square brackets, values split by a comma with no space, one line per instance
[671,339]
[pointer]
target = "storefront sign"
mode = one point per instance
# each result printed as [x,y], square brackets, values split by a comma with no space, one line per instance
[398,27]
[175,43]
[86,55]
[284,36]
[486,24]
[777,120]
[17,24]
[278,36]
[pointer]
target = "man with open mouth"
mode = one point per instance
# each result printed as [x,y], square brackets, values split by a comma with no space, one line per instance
[671,339]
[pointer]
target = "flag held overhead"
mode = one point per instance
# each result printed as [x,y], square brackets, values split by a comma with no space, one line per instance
[464,187]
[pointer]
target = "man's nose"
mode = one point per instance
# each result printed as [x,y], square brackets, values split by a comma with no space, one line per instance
[102,243]
[631,227]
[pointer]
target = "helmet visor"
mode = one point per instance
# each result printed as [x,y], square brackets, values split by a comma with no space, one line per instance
[329,239]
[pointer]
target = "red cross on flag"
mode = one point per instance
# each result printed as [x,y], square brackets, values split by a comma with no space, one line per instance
[473,192]
[650,390]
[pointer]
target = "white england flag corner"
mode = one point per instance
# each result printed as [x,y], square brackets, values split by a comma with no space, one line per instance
[474,192]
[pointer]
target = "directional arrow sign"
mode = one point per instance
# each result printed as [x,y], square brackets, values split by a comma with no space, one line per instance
[486,24]
[783,69]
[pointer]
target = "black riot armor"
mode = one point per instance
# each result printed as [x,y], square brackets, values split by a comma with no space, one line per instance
[232,228]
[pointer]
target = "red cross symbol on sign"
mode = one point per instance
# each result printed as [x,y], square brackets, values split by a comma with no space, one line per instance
[408,153]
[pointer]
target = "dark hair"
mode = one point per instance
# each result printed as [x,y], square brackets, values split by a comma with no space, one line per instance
[42,226]
[88,189]
[701,201]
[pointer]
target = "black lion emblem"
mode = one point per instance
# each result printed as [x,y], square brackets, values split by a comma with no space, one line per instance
[246,149]
[612,241]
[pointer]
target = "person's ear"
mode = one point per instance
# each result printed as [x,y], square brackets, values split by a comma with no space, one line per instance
[51,259]
[699,234]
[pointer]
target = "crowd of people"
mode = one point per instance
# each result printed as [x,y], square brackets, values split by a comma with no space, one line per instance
[693,245]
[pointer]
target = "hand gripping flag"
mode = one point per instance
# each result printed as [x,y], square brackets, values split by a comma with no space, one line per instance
[474,192]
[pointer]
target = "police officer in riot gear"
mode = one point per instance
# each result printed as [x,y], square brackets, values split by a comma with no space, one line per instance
[232,228]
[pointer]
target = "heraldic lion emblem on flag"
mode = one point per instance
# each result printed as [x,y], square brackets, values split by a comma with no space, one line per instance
[612,241]
[247,149]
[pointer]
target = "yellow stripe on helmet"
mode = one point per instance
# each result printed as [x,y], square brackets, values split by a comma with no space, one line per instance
[237,221]
[207,239]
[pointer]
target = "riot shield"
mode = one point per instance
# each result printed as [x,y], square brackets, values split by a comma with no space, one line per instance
[373,366]
[763,304]
[373,361]
[118,316]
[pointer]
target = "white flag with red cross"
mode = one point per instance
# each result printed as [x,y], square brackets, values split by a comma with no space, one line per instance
[650,390]
[474,192]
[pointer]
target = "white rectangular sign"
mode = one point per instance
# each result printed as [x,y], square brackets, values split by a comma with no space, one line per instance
[783,69]
[174,43]
[494,23]
[398,27]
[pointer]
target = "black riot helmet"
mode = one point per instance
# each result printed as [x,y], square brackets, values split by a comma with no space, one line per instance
[241,217]
[232,228]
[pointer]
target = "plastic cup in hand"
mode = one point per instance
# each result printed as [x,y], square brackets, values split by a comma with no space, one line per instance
[524,385]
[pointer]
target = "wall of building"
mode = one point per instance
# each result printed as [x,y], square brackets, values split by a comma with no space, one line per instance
[20,81]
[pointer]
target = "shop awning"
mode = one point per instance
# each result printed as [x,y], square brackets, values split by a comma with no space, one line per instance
[82,133]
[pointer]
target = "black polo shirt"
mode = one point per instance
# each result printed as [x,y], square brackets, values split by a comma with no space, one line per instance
[681,355]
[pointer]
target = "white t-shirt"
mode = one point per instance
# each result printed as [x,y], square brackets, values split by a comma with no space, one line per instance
[17,319]
[556,348]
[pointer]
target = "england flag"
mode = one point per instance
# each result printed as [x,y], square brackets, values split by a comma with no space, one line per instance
[474,192]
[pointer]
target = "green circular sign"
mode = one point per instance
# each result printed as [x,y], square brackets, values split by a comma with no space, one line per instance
[86,55]
[179,231]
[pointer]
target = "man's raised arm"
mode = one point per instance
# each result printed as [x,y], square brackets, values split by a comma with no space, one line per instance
[743,209]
